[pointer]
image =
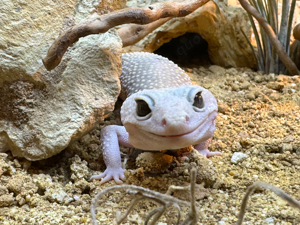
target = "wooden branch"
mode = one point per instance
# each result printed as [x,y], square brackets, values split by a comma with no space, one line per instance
[132,33]
[103,23]
[296,32]
[290,65]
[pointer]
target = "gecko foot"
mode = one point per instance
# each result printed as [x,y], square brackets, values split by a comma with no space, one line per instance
[111,174]
[207,153]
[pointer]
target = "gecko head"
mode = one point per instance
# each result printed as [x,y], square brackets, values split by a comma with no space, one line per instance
[169,118]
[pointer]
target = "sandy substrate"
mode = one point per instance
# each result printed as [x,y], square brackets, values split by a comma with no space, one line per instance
[258,116]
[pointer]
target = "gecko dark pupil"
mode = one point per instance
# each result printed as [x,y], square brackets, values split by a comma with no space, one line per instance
[142,108]
[198,101]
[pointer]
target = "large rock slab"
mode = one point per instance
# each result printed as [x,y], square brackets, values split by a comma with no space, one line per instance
[42,112]
[27,30]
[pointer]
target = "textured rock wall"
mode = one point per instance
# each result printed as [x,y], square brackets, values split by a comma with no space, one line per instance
[219,24]
[42,112]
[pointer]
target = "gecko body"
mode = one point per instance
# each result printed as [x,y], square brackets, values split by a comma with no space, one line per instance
[162,111]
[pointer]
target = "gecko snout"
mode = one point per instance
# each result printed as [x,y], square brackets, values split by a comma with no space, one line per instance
[175,121]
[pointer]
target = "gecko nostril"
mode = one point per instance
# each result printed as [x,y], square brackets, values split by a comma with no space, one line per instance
[187,119]
[164,122]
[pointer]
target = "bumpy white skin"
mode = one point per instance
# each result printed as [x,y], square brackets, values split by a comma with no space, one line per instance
[173,122]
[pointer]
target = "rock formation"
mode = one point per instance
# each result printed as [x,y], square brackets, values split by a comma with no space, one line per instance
[42,112]
[219,24]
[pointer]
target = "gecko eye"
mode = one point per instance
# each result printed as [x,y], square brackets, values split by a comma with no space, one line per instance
[142,108]
[198,101]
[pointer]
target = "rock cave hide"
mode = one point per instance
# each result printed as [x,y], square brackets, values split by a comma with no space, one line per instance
[218,24]
[42,112]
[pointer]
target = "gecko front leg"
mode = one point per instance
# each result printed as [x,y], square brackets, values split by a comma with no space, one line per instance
[202,148]
[111,137]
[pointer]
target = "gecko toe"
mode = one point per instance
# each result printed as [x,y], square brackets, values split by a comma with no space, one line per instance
[117,180]
[105,179]
[97,177]
[208,153]
[111,174]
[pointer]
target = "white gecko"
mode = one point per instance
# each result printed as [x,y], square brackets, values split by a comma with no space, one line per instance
[162,111]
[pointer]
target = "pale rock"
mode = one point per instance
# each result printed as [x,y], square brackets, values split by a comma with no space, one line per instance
[85,8]
[43,181]
[269,220]
[42,112]
[3,190]
[232,71]
[6,200]
[79,168]
[27,30]
[287,147]
[79,93]
[238,157]
[58,195]
[217,70]
[96,7]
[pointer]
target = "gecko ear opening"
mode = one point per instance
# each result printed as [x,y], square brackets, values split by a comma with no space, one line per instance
[143,110]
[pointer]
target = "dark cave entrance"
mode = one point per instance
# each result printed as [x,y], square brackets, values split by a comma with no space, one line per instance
[189,50]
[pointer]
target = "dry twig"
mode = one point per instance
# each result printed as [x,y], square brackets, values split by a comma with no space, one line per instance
[193,216]
[103,23]
[261,184]
[290,65]
[165,201]
[296,32]
[132,33]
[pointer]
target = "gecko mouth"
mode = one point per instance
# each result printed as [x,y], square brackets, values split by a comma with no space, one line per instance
[178,135]
[209,118]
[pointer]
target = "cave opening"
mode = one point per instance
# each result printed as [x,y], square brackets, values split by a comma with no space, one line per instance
[188,50]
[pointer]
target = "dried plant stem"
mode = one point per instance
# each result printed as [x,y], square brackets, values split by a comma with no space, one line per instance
[289,26]
[261,184]
[103,23]
[142,193]
[173,187]
[193,215]
[157,213]
[164,200]
[290,65]
[133,203]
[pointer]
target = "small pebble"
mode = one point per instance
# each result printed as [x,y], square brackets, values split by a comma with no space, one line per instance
[245,85]
[238,157]
[217,69]
[250,96]
[269,220]
[287,147]
[235,87]
[259,79]
[275,86]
